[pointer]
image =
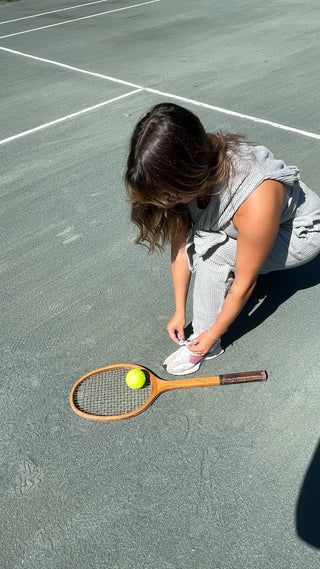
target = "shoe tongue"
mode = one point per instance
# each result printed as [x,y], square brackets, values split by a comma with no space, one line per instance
[194,359]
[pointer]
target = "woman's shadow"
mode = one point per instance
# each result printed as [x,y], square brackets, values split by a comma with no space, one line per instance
[308,506]
[271,291]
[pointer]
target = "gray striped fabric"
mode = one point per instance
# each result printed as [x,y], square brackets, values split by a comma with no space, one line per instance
[212,241]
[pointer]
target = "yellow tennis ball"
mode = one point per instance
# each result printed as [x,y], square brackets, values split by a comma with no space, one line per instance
[135,378]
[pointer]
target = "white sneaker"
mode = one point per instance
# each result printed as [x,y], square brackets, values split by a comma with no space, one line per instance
[182,361]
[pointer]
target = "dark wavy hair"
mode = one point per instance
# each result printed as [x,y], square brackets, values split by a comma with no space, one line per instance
[171,159]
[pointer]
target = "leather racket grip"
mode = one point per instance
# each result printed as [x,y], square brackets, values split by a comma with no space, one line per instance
[243,377]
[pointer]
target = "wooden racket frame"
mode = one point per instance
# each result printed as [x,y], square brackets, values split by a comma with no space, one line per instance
[159,386]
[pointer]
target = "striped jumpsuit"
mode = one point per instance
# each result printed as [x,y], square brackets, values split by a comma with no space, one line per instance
[212,240]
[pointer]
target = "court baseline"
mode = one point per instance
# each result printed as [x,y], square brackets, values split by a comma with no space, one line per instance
[53,12]
[78,19]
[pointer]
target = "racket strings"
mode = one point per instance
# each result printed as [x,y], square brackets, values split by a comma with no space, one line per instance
[106,393]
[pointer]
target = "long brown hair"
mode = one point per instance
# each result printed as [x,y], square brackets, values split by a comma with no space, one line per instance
[171,158]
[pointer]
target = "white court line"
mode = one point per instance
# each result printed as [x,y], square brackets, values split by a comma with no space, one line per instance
[67,117]
[52,12]
[169,95]
[71,68]
[233,113]
[78,19]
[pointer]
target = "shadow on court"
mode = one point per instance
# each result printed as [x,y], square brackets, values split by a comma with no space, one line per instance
[308,506]
[271,291]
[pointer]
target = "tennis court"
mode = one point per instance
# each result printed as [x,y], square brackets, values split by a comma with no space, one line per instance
[218,477]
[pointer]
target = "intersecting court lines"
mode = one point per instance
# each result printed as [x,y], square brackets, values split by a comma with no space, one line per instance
[51,95]
[136,89]
[67,87]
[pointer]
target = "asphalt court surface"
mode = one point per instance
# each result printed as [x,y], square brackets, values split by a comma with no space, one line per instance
[205,478]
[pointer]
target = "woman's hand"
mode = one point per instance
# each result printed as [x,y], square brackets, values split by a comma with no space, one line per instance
[181,278]
[201,344]
[176,326]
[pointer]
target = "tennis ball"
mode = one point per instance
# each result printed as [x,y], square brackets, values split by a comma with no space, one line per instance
[135,378]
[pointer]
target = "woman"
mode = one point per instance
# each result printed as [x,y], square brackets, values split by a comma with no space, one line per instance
[230,210]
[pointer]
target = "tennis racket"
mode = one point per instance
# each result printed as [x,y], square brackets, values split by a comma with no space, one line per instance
[103,395]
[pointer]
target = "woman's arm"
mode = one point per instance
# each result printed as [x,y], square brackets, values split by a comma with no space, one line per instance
[181,279]
[257,222]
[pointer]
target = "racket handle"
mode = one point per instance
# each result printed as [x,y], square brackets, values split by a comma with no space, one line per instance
[207,381]
[243,377]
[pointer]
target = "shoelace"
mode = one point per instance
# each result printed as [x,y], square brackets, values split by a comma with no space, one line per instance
[184,342]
